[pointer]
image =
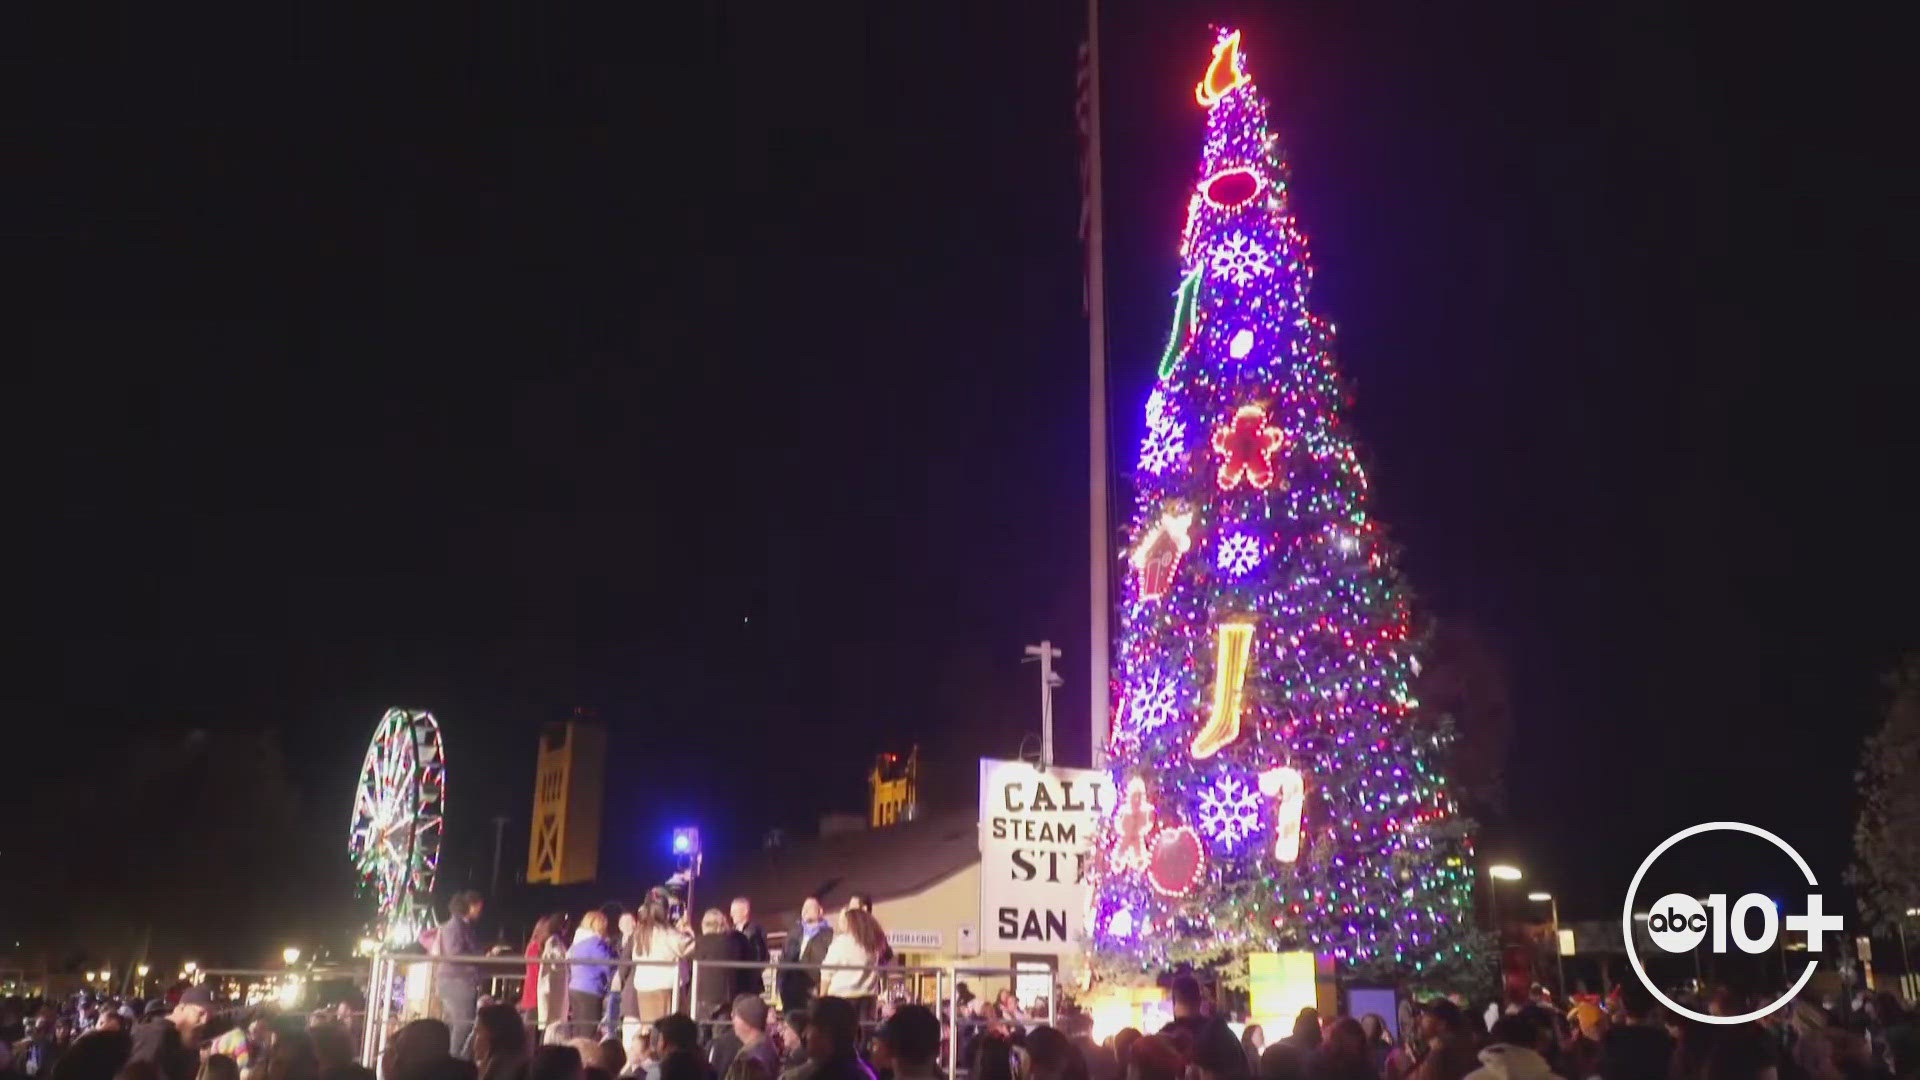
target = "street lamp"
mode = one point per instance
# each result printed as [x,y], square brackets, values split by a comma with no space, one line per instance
[1559,954]
[1499,872]
[291,954]
[143,969]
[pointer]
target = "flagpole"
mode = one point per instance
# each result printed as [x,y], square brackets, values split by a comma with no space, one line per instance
[1099,538]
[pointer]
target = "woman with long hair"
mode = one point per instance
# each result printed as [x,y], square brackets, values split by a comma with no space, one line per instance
[587,983]
[655,949]
[545,936]
[857,945]
[1343,1053]
[1253,1040]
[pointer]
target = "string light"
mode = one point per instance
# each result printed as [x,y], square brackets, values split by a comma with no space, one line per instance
[1183,310]
[1246,446]
[1158,555]
[1178,861]
[1290,788]
[1362,854]
[1229,685]
[1232,187]
[1224,74]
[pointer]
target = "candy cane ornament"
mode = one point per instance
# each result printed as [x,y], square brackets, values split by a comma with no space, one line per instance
[1291,788]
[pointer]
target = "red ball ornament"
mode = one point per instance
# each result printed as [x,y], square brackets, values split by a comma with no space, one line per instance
[1177,861]
[1231,187]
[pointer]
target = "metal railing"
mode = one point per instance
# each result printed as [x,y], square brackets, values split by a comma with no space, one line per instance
[387,969]
[897,984]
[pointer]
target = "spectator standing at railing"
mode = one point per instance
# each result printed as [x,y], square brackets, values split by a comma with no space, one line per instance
[807,943]
[459,983]
[863,902]
[742,912]
[587,983]
[718,985]
[656,949]
[616,991]
[544,943]
[856,946]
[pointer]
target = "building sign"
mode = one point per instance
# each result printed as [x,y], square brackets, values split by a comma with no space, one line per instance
[1036,840]
[922,940]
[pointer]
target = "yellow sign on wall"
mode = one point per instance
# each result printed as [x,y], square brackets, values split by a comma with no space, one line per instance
[1279,985]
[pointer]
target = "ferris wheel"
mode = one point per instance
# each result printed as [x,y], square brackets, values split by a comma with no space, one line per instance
[399,814]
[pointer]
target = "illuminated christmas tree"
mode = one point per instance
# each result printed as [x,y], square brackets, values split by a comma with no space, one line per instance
[1278,789]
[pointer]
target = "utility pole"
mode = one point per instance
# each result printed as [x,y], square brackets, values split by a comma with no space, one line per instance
[499,829]
[1049,682]
[1099,527]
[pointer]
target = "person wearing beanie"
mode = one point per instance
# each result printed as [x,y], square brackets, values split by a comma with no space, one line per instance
[756,1059]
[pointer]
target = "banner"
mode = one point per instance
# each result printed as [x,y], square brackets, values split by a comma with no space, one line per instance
[1036,839]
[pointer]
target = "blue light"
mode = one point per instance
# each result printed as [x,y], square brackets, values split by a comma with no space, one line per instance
[682,843]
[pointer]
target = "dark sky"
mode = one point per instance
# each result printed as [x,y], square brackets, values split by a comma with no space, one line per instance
[722,367]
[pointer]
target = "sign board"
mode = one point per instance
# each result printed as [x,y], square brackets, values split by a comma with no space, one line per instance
[1566,942]
[925,940]
[1279,985]
[1036,838]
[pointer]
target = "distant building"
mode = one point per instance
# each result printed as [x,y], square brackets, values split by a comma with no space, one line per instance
[564,844]
[920,863]
[894,788]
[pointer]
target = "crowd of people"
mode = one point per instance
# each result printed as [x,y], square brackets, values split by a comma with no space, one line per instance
[613,974]
[627,994]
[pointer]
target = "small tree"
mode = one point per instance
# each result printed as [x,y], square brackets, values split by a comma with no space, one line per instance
[1886,836]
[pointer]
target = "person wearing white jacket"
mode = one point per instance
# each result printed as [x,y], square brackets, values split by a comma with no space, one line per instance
[1510,1055]
[648,994]
[858,944]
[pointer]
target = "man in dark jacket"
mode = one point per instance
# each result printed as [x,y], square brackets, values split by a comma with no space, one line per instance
[1638,1047]
[806,944]
[172,1042]
[742,913]
[1212,1044]
[459,984]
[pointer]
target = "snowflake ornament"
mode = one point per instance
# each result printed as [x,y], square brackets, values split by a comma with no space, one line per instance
[1158,415]
[1161,448]
[1153,703]
[1239,259]
[1229,812]
[1239,553]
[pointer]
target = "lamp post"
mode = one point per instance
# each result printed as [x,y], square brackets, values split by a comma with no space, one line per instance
[1906,958]
[1559,954]
[1499,872]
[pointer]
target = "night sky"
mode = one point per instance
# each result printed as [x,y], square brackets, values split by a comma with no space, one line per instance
[722,367]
